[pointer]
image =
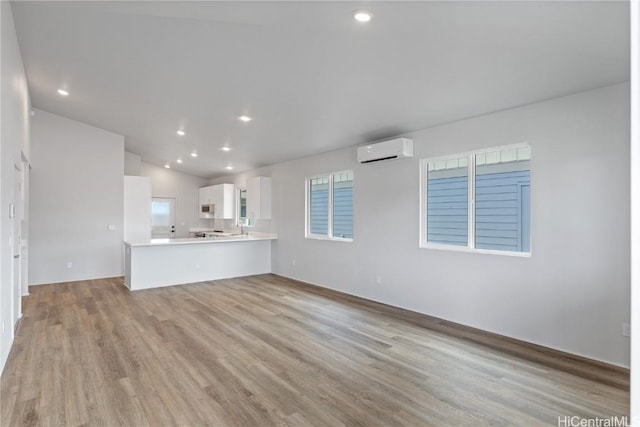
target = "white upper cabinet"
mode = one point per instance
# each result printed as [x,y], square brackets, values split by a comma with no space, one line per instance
[222,197]
[206,195]
[259,198]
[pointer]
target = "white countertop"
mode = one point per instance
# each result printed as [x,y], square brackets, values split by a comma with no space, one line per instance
[252,236]
[198,229]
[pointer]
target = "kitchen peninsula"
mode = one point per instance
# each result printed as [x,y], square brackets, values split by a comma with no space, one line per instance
[165,262]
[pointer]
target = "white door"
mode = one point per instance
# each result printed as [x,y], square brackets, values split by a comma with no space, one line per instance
[163,218]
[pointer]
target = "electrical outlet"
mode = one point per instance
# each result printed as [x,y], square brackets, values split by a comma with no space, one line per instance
[293,262]
[626,329]
[111,227]
[69,264]
[379,280]
[197,266]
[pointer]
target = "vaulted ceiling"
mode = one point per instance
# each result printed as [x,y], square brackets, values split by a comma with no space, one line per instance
[311,77]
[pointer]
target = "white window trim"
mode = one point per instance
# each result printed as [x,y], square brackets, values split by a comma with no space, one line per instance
[307,198]
[471,165]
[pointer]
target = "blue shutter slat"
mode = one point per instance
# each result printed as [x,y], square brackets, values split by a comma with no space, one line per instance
[445,211]
[448,239]
[449,192]
[513,203]
[497,226]
[496,211]
[507,219]
[462,231]
[513,234]
[494,247]
[437,181]
[499,189]
[449,226]
[447,205]
[442,199]
[448,185]
[448,218]
[491,197]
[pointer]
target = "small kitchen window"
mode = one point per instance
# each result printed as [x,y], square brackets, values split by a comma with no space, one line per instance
[329,206]
[241,207]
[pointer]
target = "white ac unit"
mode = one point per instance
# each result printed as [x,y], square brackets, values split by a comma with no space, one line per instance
[386,150]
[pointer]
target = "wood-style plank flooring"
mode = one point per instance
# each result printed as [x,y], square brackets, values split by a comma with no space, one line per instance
[264,350]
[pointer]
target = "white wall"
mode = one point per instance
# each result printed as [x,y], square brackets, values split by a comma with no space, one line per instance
[14,144]
[635,210]
[76,193]
[137,208]
[572,294]
[132,164]
[182,187]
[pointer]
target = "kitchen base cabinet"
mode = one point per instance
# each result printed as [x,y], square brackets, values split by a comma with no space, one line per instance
[182,261]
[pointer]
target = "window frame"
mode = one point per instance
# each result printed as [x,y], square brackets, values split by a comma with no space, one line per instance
[307,216]
[471,172]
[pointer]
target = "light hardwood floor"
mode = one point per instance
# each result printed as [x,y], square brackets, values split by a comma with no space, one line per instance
[264,350]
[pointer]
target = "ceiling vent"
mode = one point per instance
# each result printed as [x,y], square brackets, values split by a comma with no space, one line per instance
[393,149]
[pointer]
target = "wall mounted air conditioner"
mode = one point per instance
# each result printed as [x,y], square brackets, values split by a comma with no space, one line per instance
[386,150]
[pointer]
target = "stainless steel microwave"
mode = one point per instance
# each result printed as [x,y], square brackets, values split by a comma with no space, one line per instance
[207,211]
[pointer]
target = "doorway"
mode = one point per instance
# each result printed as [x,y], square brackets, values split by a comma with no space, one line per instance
[163,217]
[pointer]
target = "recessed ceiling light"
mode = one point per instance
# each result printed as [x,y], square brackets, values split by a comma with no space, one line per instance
[245,119]
[194,154]
[179,161]
[180,132]
[362,15]
[226,148]
[229,167]
[167,165]
[63,92]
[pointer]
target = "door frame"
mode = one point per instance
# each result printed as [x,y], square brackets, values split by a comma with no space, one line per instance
[15,214]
